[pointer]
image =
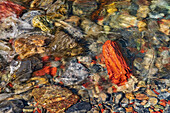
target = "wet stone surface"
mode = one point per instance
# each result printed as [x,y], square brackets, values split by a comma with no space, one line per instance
[84,56]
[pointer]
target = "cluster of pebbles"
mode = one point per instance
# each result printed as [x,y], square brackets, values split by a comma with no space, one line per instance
[51,56]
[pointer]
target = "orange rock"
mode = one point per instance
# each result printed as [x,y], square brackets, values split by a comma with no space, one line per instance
[57,58]
[141,96]
[42,72]
[53,71]
[168,102]
[45,58]
[129,109]
[129,96]
[164,26]
[144,102]
[162,102]
[117,68]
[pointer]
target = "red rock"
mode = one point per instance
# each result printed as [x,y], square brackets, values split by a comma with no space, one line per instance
[117,68]
[8,8]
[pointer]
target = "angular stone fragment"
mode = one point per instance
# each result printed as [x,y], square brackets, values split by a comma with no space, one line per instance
[11,106]
[63,45]
[74,74]
[84,7]
[117,68]
[54,98]
[28,45]
[141,96]
[8,8]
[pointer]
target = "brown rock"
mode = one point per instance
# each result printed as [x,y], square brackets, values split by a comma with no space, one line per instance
[141,26]
[118,98]
[27,45]
[84,7]
[75,20]
[55,99]
[158,63]
[142,2]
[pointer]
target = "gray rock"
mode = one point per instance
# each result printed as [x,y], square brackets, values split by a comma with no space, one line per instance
[74,73]
[96,68]
[81,107]
[11,27]
[122,110]
[163,95]
[24,71]
[27,17]
[124,102]
[141,109]
[11,106]
[85,59]
[165,55]
[167,109]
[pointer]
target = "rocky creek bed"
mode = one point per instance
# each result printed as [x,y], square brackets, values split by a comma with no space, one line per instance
[84,56]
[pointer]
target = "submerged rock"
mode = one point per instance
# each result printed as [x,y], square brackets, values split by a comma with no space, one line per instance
[84,8]
[30,44]
[81,107]
[28,16]
[11,27]
[75,73]
[11,106]
[64,45]
[54,98]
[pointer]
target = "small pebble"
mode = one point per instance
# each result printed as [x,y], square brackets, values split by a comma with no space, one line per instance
[84,95]
[150,110]
[129,109]
[124,102]
[118,98]
[153,100]
[158,107]
[141,84]
[130,96]
[163,95]
[147,105]
[103,96]
[106,111]
[151,93]
[110,90]
[144,102]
